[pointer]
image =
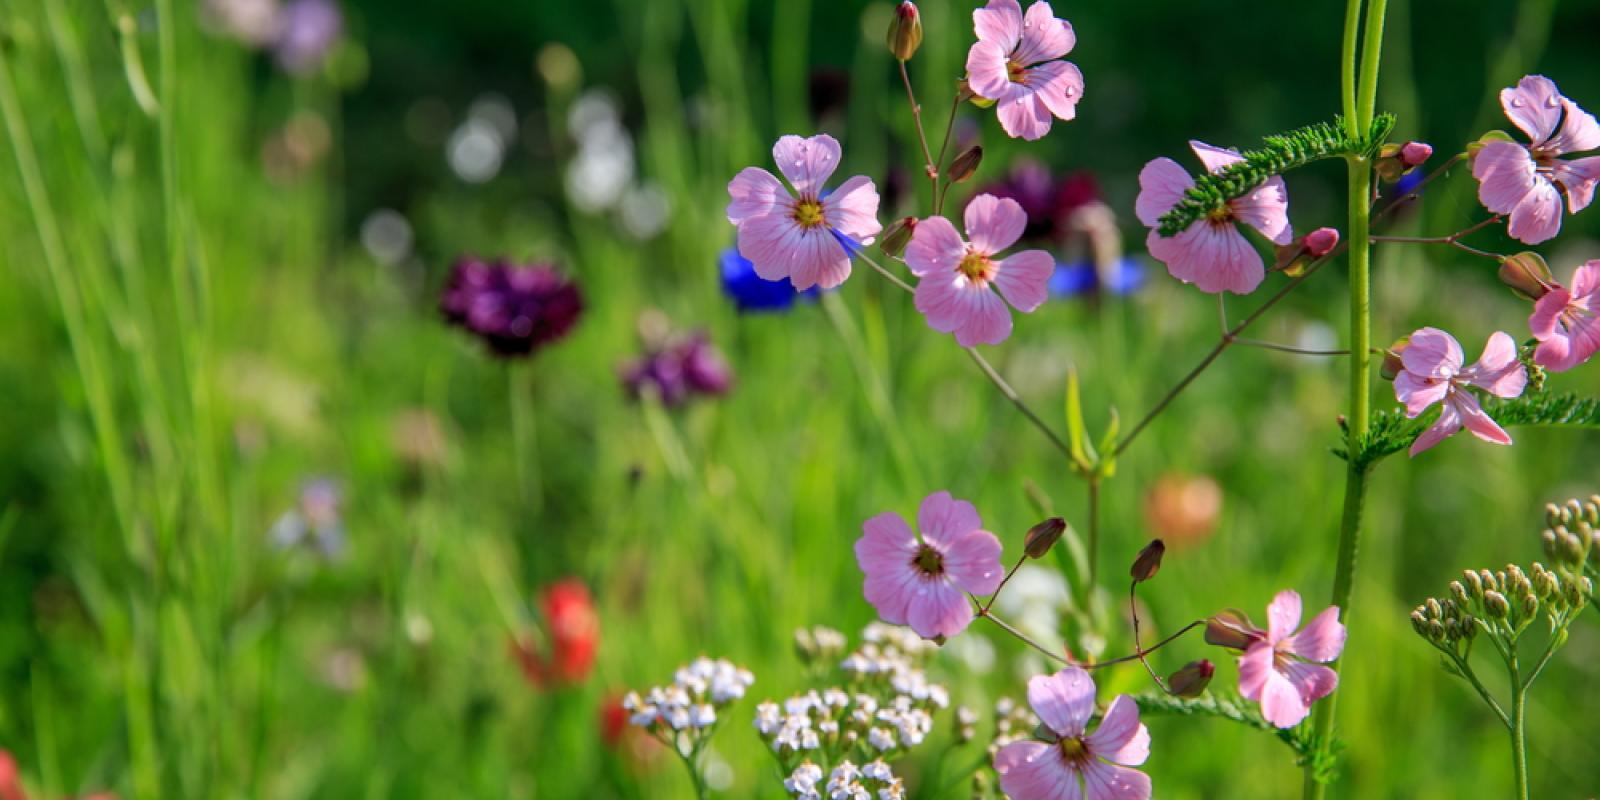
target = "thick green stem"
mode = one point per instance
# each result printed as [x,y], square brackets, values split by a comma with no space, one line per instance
[1519,745]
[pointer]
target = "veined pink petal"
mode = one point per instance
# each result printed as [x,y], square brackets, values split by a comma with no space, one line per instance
[753,192]
[1448,423]
[1024,279]
[1213,257]
[1266,208]
[1555,353]
[1418,393]
[1547,313]
[1281,702]
[1255,666]
[891,592]
[1538,217]
[936,249]
[938,608]
[1063,701]
[1311,681]
[817,259]
[1121,737]
[1573,347]
[954,304]
[943,519]
[988,73]
[1044,38]
[1498,371]
[1283,615]
[1432,353]
[884,553]
[1023,115]
[1102,781]
[1059,85]
[1322,639]
[1505,173]
[1578,177]
[852,209]
[1473,418]
[1215,158]
[994,223]
[769,242]
[1162,183]
[1579,132]
[972,561]
[807,163]
[1534,105]
[988,320]
[1036,771]
[999,23]
[1586,282]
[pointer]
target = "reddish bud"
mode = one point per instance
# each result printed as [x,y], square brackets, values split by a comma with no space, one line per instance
[966,164]
[1321,242]
[897,236]
[1392,365]
[1415,154]
[905,33]
[1192,679]
[1232,629]
[1148,562]
[1043,536]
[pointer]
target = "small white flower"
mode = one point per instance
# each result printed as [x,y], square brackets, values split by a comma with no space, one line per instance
[768,718]
[803,781]
[881,739]
[644,716]
[702,716]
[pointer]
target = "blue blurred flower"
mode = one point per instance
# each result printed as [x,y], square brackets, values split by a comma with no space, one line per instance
[751,292]
[1081,278]
[1408,182]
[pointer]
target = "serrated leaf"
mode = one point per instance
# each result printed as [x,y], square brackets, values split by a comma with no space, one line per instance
[1390,432]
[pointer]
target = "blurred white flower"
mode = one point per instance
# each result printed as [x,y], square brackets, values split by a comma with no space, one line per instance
[386,235]
[644,211]
[475,150]
[496,110]
[1033,601]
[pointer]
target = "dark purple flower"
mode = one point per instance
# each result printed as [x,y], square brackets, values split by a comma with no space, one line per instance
[1048,201]
[514,309]
[307,32]
[692,366]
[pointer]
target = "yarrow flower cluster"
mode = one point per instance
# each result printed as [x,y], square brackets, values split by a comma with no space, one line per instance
[514,309]
[683,713]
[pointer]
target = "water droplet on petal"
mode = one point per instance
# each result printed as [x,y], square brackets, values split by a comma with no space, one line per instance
[1021,100]
[1552,102]
[1517,102]
[1071,91]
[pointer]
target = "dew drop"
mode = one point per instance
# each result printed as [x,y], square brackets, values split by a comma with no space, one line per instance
[1071,91]
[1552,102]
[1021,100]
[1517,102]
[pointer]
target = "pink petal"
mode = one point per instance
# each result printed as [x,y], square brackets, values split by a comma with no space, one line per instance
[1418,393]
[1266,208]
[753,192]
[1432,353]
[988,73]
[1534,105]
[769,242]
[1121,737]
[1448,423]
[1322,639]
[852,209]
[1586,281]
[1103,781]
[1161,185]
[1472,416]
[1579,178]
[1311,681]
[1063,701]
[1035,771]
[1570,348]
[936,249]
[942,518]
[1044,38]
[1255,666]
[1505,173]
[1059,85]
[1022,114]
[807,163]
[1547,313]
[954,304]
[884,553]
[817,259]
[1579,131]
[994,223]
[938,608]
[1213,257]
[972,560]
[1538,217]
[1281,702]
[1283,615]
[999,23]
[1215,158]
[1024,279]
[1498,371]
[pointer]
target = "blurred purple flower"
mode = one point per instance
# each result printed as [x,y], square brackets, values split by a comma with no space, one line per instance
[1047,200]
[307,33]
[314,520]
[674,374]
[514,309]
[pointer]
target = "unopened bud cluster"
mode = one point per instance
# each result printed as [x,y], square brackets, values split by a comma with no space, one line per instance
[684,711]
[1503,602]
[1573,536]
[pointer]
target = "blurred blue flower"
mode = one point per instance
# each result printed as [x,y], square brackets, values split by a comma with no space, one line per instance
[1081,278]
[751,292]
[1408,182]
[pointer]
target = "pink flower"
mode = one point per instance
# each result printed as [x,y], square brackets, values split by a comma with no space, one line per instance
[1522,180]
[799,235]
[1212,253]
[1051,770]
[954,290]
[1274,670]
[1567,321]
[922,583]
[1014,63]
[1433,373]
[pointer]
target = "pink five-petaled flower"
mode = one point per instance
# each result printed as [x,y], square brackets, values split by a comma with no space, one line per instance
[1275,671]
[957,280]
[1051,770]
[922,583]
[1014,63]
[1567,321]
[802,236]
[1212,253]
[1433,373]
[1522,180]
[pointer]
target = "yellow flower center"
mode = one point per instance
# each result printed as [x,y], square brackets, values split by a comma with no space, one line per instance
[1221,215]
[977,267]
[808,213]
[1074,750]
[1016,70]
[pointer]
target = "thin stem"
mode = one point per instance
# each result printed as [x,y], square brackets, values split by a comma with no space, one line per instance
[949,128]
[929,167]
[1284,348]
[1145,651]
[1024,638]
[1465,667]
[524,435]
[884,271]
[1094,529]
[984,608]
[1347,67]
[1416,191]
[1138,648]
[1371,56]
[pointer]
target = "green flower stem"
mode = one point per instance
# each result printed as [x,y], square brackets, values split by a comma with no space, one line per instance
[1519,744]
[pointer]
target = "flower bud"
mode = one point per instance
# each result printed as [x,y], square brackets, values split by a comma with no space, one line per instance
[1232,629]
[894,240]
[1392,364]
[1435,611]
[1395,160]
[1321,241]
[1530,605]
[1459,592]
[1043,536]
[1419,623]
[1527,274]
[1577,591]
[1552,545]
[1415,154]
[1148,563]
[1495,604]
[905,32]
[1436,630]
[1474,584]
[1192,679]
[1489,581]
[966,164]
[1552,515]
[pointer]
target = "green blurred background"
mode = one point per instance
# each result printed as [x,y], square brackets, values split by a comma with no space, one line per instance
[175,364]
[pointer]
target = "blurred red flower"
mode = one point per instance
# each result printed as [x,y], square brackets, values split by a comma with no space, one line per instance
[10,781]
[573,629]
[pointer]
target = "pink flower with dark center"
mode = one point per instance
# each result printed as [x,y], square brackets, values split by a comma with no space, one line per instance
[923,583]
[802,235]
[1527,181]
[1276,670]
[1567,321]
[961,284]
[1212,253]
[1014,63]
[1053,769]
[1433,373]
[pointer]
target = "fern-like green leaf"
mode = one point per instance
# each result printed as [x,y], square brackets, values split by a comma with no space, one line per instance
[1389,432]
[1233,708]
[1278,154]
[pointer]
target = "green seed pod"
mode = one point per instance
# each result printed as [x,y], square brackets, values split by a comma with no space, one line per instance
[1192,679]
[1495,604]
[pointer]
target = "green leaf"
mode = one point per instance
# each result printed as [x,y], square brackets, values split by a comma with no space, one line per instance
[1390,432]
[1082,452]
[1108,445]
